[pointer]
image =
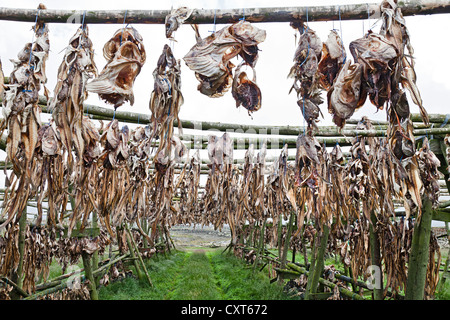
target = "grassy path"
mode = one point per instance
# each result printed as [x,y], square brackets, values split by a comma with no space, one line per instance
[197,275]
[197,280]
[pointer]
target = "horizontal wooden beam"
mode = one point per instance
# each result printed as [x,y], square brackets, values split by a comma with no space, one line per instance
[224,16]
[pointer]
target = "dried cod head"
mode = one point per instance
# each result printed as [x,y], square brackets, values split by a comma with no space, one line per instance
[210,57]
[125,55]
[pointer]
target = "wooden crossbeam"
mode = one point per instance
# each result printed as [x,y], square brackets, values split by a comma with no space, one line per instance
[223,16]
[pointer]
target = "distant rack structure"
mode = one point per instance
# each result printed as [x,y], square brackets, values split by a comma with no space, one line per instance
[223,16]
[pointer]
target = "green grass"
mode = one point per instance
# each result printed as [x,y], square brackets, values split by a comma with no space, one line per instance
[239,282]
[205,275]
[196,280]
[163,271]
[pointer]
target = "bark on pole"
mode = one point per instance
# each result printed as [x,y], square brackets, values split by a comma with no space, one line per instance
[375,254]
[319,260]
[418,258]
[17,276]
[225,16]
[87,264]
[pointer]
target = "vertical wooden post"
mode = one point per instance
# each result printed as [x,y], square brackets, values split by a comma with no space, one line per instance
[17,276]
[418,258]
[312,266]
[320,259]
[446,273]
[134,258]
[89,275]
[260,245]
[376,255]
[95,254]
[144,227]
[287,241]
[280,236]
[141,277]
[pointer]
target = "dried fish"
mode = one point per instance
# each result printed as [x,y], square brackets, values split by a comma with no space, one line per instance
[245,91]
[332,59]
[378,57]
[210,57]
[429,172]
[125,55]
[22,119]
[175,19]
[395,30]
[344,95]
[76,69]
[166,98]
[306,76]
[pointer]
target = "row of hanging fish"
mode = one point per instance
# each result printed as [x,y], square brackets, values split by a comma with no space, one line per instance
[383,70]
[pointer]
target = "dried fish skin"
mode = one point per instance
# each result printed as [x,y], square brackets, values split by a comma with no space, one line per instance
[378,56]
[309,43]
[429,172]
[91,139]
[310,110]
[49,141]
[175,19]
[306,76]
[332,59]
[306,159]
[245,91]
[223,151]
[249,37]
[210,57]
[307,56]
[115,142]
[343,96]
[70,92]
[125,55]
[166,98]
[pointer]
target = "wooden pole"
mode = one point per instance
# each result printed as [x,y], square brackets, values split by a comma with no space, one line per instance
[260,246]
[375,255]
[418,258]
[319,260]
[287,241]
[221,16]
[63,285]
[17,276]
[327,283]
[95,254]
[133,257]
[138,255]
[446,272]
[89,275]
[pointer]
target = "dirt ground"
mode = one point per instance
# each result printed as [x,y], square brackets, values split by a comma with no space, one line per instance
[185,236]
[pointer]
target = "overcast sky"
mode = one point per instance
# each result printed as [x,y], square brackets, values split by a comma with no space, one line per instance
[275,59]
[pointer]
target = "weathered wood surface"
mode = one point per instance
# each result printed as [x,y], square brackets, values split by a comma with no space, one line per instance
[223,16]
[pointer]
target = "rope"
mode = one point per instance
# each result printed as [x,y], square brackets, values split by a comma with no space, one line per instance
[368,16]
[82,22]
[243,15]
[447,116]
[304,119]
[124,26]
[342,39]
[214,31]
[32,38]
